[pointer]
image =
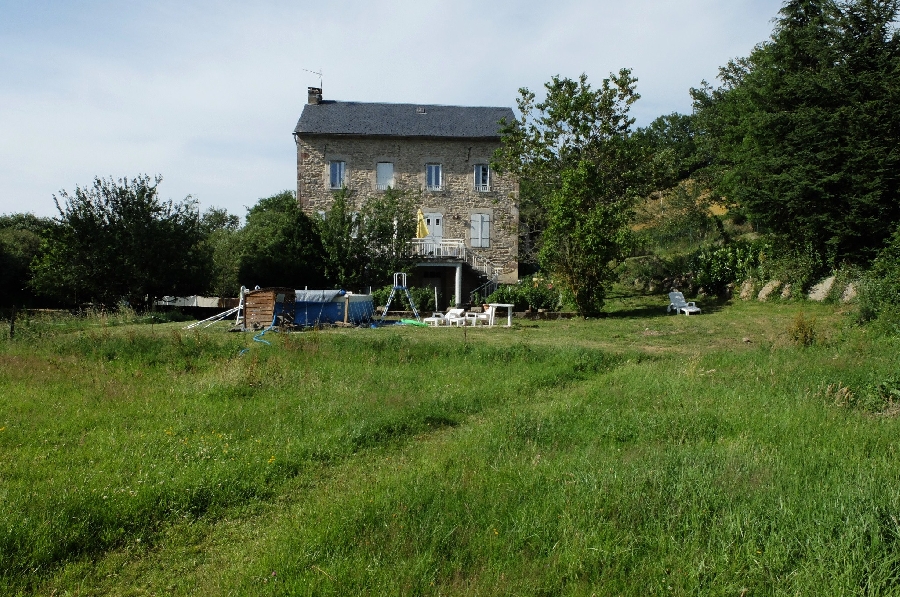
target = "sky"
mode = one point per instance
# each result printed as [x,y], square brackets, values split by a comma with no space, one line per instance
[207,93]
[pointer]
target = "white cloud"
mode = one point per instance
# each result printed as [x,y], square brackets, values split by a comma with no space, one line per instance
[207,94]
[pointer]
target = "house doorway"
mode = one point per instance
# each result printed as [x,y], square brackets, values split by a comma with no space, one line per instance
[434,221]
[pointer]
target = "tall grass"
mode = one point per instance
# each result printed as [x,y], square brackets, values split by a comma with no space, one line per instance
[634,455]
[110,433]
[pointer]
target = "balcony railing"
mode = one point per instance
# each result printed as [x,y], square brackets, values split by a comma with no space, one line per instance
[434,187]
[455,249]
[382,186]
[482,188]
[429,247]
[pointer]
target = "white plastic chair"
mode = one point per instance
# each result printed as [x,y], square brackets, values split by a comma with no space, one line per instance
[484,317]
[456,316]
[679,305]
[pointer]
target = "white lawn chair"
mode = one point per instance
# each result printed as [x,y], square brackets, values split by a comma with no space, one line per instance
[484,317]
[456,316]
[679,305]
[435,320]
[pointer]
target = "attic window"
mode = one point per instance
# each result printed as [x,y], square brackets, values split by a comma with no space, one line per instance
[420,110]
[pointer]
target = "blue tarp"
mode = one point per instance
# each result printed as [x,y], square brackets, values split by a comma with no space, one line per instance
[317,307]
[317,296]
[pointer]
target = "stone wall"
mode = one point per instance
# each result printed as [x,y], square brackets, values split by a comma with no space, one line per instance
[457,201]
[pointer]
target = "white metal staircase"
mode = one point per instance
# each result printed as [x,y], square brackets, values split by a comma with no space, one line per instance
[456,250]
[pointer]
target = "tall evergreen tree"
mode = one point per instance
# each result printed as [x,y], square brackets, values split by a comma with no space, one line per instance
[805,131]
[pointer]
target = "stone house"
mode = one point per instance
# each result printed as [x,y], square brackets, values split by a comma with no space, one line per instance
[442,155]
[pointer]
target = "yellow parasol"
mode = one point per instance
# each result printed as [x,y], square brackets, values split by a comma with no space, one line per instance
[421,227]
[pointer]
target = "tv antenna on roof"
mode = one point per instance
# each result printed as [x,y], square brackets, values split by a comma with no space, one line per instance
[316,73]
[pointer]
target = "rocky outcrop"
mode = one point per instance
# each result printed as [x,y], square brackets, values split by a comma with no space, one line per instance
[820,291]
[770,287]
[849,293]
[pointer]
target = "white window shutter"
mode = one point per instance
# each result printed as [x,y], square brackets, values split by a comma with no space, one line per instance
[480,230]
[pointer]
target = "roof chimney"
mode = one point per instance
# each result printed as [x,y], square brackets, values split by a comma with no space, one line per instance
[314,95]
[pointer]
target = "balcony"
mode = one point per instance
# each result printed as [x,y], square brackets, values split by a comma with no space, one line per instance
[438,249]
[383,186]
[483,188]
[451,249]
[434,187]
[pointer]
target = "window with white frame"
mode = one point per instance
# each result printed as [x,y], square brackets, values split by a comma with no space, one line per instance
[384,176]
[434,180]
[482,177]
[337,171]
[480,230]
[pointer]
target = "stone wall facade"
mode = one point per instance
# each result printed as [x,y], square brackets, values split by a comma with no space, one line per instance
[457,201]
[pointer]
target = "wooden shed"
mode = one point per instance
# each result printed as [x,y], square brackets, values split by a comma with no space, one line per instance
[259,306]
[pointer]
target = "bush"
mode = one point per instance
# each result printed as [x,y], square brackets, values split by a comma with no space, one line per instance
[803,331]
[799,267]
[424,298]
[508,294]
[717,267]
[657,273]
[534,292]
[540,293]
[879,292]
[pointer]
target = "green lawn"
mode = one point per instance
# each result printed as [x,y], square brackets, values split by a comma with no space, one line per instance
[637,454]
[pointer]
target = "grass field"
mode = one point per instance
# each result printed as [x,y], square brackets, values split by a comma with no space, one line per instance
[637,454]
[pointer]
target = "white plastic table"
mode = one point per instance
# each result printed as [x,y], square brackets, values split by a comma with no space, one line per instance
[496,306]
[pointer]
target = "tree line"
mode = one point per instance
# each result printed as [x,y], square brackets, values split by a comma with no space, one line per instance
[117,242]
[801,139]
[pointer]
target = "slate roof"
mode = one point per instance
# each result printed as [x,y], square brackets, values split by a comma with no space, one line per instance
[401,120]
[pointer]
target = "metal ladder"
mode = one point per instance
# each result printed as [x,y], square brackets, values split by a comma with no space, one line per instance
[400,284]
[211,320]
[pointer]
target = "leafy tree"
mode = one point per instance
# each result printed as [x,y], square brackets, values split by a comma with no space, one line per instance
[280,245]
[222,232]
[218,218]
[388,222]
[576,152]
[21,237]
[671,147]
[364,247]
[805,130]
[585,236]
[116,240]
[342,242]
[532,223]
